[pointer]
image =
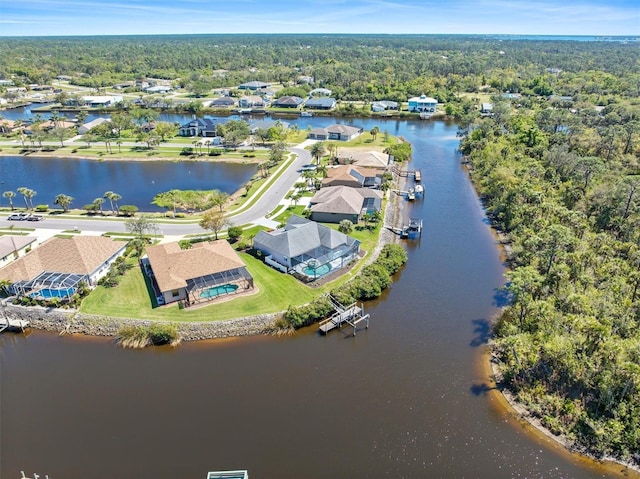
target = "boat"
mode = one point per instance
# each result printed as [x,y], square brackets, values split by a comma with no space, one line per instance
[411,194]
[238,474]
[306,113]
[413,230]
[419,190]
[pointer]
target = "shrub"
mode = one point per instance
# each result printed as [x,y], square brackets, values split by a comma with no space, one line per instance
[186,151]
[128,210]
[42,208]
[185,244]
[215,152]
[234,232]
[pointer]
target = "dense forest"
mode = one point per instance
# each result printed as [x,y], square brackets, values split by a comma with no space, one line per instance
[557,166]
[354,67]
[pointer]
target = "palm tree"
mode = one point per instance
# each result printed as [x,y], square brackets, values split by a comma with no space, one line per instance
[98,202]
[113,199]
[374,132]
[64,201]
[317,151]
[10,195]
[28,195]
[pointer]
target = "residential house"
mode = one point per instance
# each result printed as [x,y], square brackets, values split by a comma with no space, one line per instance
[8,126]
[205,272]
[159,89]
[100,101]
[366,159]
[320,92]
[87,127]
[486,108]
[322,103]
[288,102]
[337,203]
[384,105]
[50,125]
[17,91]
[422,104]
[56,268]
[305,79]
[251,101]
[198,127]
[253,85]
[306,247]
[13,247]
[353,176]
[223,102]
[335,132]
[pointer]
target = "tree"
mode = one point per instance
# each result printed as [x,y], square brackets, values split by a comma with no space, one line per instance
[141,225]
[296,197]
[276,154]
[64,201]
[165,129]
[98,203]
[167,199]
[235,131]
[113,199]
[62,134]
[374,132]
[219,198]
[317,151]
[234,233]
[345,227]
[10,195]
[89,138]
[28,195]
[214,221]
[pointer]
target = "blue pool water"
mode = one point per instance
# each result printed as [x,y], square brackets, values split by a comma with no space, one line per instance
[50,293]
[317,272]
[218,290]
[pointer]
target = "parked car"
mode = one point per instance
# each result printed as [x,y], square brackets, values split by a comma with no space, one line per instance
[34,218]
[17,216]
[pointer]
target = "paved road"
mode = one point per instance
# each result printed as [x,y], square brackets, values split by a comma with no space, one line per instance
[254,214]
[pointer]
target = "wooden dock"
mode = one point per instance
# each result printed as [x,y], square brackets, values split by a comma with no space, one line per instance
[415,174]
[7,324]
[351,315]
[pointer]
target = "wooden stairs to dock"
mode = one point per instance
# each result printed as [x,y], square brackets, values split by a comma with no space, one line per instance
[351,315]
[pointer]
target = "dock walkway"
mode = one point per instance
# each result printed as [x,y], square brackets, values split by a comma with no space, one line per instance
[351,315]
[13,324]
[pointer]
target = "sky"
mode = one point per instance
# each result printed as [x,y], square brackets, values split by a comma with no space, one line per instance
[120,17]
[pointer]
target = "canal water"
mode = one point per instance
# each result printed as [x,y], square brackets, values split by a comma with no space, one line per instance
[406,398]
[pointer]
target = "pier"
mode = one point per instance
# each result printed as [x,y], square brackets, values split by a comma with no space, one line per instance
[7,324]
[351,315]
[415,174]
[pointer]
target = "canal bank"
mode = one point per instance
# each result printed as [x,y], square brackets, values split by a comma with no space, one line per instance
[403,399]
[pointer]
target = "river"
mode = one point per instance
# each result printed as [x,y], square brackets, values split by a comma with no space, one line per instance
[406,398]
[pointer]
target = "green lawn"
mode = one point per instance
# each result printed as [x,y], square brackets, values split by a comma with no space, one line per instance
[131,298]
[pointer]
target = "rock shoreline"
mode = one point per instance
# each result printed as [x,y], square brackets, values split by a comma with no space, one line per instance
[71,321]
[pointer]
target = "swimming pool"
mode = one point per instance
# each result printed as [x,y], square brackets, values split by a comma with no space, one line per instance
[317,271]
[50,293]
[218,290]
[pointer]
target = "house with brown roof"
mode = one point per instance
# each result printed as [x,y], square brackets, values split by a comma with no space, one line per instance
[207,271]
[12,247]
[337,203]
[8,126]
[59,265]
[365,159]
[353,176]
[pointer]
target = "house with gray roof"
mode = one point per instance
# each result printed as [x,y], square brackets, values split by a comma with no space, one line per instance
[87,127]
[198,127]
[335,132]
[336,203]
[322,103]
[253,85]
[288,102]
[266,124]
[306,248]
[222,102]
[384,105]
[251,101]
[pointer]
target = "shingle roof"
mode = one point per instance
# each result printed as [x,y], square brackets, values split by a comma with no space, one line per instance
[342,199]
[289,101]
[11,243]
[368,159]
[350,173]
[77,255]
[320,102]
[301,235]
[173,266]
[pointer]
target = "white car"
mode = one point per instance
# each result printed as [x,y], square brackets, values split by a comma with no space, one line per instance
[17,216]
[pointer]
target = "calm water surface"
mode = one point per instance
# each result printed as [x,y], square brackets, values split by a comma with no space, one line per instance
[404,399]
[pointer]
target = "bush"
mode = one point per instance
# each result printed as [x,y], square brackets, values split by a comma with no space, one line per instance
[233,233]
[215,152]
[128,210]
[42,208]
[186,151]
[140,336]
[185,244]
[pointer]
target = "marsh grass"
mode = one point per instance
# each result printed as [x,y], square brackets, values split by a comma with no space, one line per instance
[141,336]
